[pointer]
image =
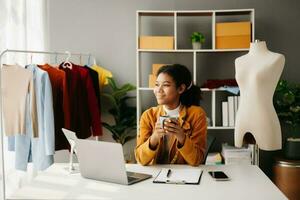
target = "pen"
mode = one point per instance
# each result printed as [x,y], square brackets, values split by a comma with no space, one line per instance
[169,173]
[176,182]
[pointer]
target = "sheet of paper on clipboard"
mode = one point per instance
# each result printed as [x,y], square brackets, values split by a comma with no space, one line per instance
[179,176]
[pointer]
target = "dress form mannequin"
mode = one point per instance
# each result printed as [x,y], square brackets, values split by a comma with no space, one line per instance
[257,74]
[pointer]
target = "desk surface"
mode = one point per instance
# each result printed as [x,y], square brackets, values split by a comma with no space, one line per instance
[247,182]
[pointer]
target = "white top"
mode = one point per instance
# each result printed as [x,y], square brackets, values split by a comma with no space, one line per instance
[247,182]
[172,113]
[257,74]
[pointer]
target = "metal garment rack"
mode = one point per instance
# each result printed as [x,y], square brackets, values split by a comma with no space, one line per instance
[67,53]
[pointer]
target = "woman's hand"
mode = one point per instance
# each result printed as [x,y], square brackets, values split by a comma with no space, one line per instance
[156,135]
[173,127]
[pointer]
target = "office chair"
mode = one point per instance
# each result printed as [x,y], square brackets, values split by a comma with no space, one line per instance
[209,143]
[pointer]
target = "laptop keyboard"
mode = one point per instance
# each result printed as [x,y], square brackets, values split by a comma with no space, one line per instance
[130,178]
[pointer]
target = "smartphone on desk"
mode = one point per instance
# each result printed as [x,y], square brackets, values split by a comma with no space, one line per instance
[219,176]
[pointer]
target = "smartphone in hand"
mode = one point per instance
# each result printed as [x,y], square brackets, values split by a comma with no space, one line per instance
[219,176]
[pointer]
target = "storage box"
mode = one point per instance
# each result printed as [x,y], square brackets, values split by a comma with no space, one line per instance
[156,42]
[152,80]
[156,67]
[233,35]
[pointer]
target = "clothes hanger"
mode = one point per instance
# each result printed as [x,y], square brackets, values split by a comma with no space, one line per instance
[89,60]
[56,64]
[67,63]
[95,62]
[56,58]
[80,59]
[31,55]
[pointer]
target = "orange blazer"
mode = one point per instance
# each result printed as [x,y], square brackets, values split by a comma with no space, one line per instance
[193,121]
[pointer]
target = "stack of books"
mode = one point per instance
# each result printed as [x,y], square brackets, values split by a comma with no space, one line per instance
[229,110]
[233,155]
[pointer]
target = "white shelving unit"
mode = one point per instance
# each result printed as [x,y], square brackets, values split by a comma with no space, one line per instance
[215,16]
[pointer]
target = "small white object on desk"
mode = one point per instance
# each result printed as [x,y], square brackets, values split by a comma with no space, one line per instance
[213,158]
[233,155]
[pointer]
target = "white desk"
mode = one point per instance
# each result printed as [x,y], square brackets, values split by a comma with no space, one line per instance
[247,182]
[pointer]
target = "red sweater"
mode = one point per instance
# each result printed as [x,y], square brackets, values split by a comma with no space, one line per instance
[84,112]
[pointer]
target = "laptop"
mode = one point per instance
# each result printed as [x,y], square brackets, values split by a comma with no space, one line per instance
[104,161]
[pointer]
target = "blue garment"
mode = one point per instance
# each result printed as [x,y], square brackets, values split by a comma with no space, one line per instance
[233,90]
[41,149]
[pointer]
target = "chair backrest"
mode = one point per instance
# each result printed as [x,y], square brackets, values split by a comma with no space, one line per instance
[209,143]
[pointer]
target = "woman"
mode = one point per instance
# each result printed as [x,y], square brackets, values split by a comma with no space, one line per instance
[178,141]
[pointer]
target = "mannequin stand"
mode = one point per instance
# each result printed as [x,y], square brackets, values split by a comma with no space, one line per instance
[255,156]
[251,142]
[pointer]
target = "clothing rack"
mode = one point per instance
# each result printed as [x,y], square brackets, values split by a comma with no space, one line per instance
[67,53]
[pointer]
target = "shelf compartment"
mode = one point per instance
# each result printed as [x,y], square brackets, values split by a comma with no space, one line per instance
[155,24]
[213,65]
[148,59]
[245,15]
[147,99]
[234,16]
[189,22]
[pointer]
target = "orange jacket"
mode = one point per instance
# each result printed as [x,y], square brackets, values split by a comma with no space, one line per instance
[193,121]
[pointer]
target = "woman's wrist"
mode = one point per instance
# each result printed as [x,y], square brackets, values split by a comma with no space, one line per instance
[181,140]
[153,142]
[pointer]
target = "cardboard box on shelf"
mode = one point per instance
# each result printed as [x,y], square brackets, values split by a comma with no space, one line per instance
[156,67]
[156,42]
[152,80]
[233,35]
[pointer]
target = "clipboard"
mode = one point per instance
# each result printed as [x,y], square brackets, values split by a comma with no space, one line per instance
[179,176]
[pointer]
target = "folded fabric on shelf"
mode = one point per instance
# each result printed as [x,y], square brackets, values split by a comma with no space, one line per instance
[216,83]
